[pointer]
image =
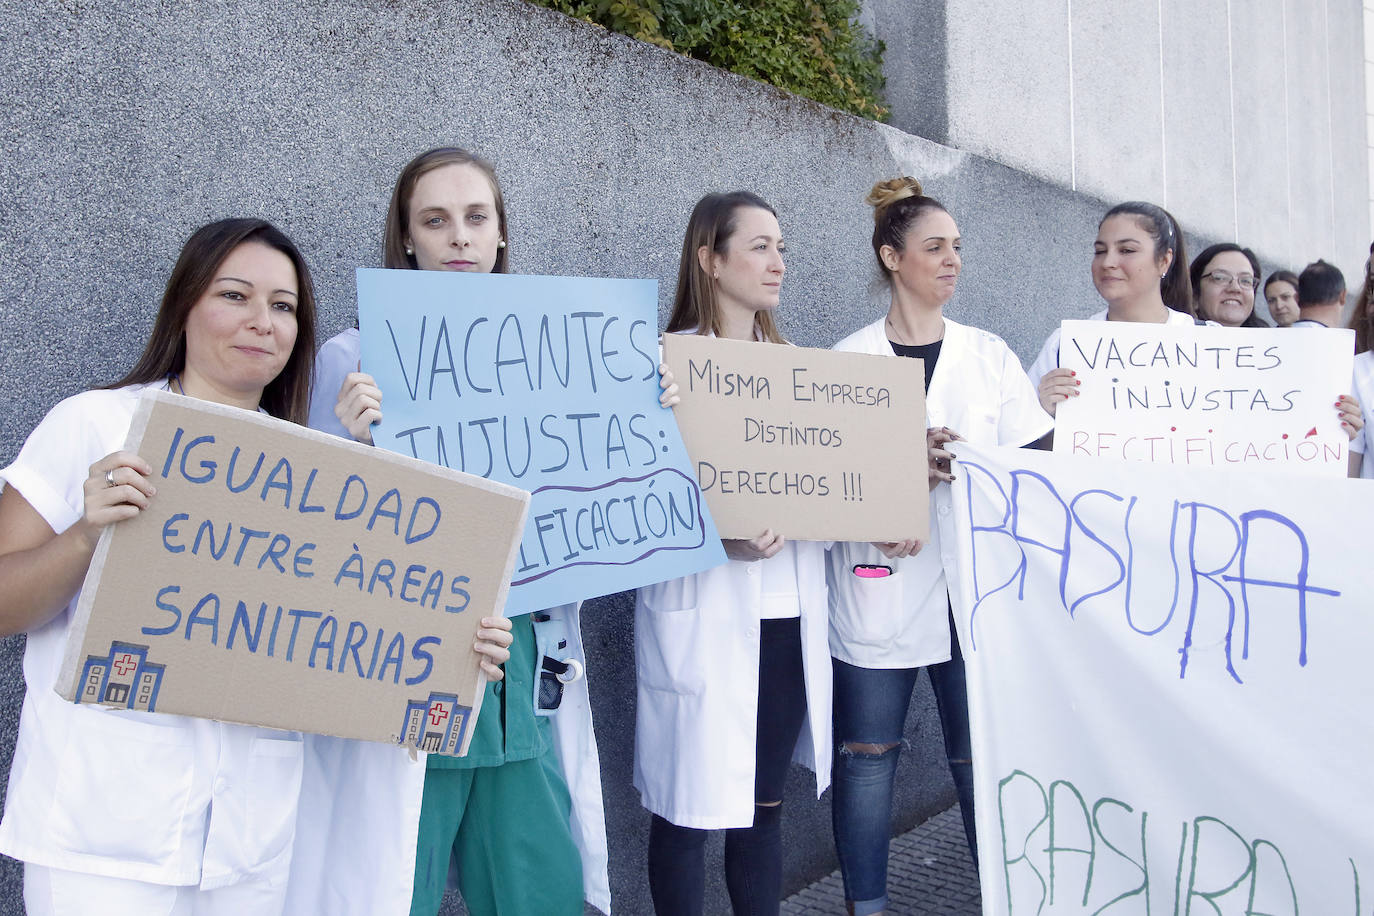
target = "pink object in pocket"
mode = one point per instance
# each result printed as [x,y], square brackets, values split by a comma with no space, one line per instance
[867,571]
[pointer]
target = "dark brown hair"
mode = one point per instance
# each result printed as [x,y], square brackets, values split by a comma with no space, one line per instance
[398,213]
[897,203]
[1362,316]
[287,396]
[713,221]
[1160,225]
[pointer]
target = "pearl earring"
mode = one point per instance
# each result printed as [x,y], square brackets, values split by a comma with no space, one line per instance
[501,244]
[409,250]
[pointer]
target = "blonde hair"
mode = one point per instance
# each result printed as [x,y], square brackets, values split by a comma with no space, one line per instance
[897,203]
[886,193]
[712,223]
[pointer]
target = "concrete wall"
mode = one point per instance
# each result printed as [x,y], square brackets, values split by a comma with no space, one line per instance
[127,123]
[1246,119]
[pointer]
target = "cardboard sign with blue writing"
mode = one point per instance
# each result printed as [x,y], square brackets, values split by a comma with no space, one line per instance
[288,578]
[817,445]
[1208,396]
[551,384]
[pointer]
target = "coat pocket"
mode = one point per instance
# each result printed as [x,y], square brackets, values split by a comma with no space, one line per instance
[865,613]
[668,638]
[124,786]
[274,786]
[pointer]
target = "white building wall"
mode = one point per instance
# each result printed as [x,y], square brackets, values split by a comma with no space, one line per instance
[1246,118]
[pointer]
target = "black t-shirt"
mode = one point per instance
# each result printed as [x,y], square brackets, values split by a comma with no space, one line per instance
[929,352]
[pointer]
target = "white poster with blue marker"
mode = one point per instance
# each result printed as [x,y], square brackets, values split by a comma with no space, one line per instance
[549,384]
[1168,683]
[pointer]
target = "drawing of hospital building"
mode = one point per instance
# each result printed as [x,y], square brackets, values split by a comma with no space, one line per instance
[436,725]
[124,678]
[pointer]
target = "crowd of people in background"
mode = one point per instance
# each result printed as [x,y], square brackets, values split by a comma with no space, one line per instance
[785,652]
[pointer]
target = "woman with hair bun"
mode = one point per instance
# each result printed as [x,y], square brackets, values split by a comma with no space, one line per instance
[884,630]
[1140,269]
[730,662]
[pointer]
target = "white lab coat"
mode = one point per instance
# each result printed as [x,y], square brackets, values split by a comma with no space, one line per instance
[360,859]
[697,661]
[148,797]
[901,621]
[360,814]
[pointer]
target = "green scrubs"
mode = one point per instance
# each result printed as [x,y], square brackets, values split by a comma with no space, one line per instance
[502,811]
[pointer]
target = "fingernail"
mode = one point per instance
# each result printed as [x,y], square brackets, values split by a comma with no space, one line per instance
[1071,372]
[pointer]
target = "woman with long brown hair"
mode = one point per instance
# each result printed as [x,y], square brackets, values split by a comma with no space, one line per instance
[731,662]
[119,810]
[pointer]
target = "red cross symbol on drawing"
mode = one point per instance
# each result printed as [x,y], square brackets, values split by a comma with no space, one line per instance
[124,664]
[437,714]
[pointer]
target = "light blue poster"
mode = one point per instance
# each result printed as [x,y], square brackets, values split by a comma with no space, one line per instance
[549,384]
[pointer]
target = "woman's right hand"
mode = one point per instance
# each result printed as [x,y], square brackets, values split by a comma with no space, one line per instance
[492,645]
[759,548]
[116,489]
[666,381]
[1057,385]
[359,405]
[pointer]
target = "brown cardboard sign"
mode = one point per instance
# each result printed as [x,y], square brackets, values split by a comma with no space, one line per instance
[287,578]
[817,445]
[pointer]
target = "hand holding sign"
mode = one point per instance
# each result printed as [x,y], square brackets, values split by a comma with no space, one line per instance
[278,561]
[1205,395]
[547,383]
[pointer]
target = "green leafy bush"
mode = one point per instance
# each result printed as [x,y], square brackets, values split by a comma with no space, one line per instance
[811,47]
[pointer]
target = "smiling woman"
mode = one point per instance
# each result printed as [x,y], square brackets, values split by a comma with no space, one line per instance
[120,810]
[1139,270]
[1225,278]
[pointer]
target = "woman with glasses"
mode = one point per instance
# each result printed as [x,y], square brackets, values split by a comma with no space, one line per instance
[1225,278]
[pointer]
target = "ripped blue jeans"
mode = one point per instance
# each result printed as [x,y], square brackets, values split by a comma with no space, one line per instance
[870,709]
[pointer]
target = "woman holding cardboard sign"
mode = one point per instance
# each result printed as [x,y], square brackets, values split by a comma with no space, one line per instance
[505,810]
[121,811]
[730,662]
[890,617]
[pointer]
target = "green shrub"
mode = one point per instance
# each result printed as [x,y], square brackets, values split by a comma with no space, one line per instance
[811,47]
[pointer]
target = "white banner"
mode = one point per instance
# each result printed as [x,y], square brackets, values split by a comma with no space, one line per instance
[1203,395]
[1169,685]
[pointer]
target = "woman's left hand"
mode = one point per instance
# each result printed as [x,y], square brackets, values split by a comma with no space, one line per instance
[1352,417]
[941,462]
[669,396]
[897,550]
[492,645]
